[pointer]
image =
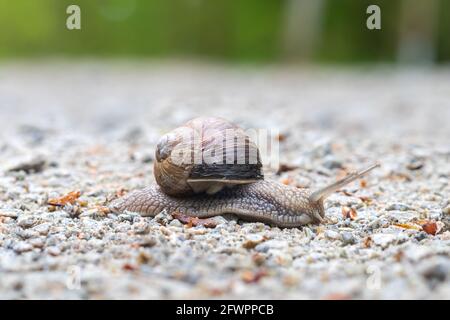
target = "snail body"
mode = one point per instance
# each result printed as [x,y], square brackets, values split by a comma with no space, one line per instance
[210,186]
[265,201]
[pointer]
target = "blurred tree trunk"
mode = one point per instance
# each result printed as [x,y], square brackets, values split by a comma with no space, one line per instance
[302,28]
[418,31]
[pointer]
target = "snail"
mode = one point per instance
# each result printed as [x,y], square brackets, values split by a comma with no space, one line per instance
[210,167]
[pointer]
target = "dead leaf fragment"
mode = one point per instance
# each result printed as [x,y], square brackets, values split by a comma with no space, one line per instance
[362,183]
[320,230]
[407,226]
[104,210]
[399,177]
[365,199]
[348,194]
[399,255]
[71,197]
[82,203]
[367,242]
[194,221]
[129,267]
[430,228]
[349,213]
[144,258]
[253,277]
[286,181]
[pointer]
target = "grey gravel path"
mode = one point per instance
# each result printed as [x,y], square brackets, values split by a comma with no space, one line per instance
[92,127]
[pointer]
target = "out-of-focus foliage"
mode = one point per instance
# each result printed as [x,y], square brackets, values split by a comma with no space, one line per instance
[232,30]
[346,38]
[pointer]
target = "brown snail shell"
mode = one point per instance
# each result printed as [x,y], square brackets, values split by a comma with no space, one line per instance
[205,155]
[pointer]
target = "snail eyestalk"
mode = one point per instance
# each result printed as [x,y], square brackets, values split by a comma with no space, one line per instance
[326,191]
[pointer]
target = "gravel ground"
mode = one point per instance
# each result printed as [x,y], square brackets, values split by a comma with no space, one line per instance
[92,127]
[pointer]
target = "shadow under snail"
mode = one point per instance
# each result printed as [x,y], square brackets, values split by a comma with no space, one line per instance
[194,178]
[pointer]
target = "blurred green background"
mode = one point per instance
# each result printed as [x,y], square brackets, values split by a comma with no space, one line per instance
[261,31]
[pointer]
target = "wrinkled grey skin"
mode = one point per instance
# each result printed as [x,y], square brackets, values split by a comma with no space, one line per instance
[265,201]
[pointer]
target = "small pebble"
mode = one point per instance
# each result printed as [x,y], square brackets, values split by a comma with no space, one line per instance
[383,239]
[333,235]
[54,251]
[37,242]
[148,242]
[398,207]
[22,246]
[219,220]
[27,233]
[436,272]
[252,240]
[415,164]
[42,228]
[271,244]
[420,236]
[10,213]
[141,227]
[26,221]
[348,238]
[163,218]
[175,223]
[308,232]
[446,210]
[32,166]
[330,162]
[125,217]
